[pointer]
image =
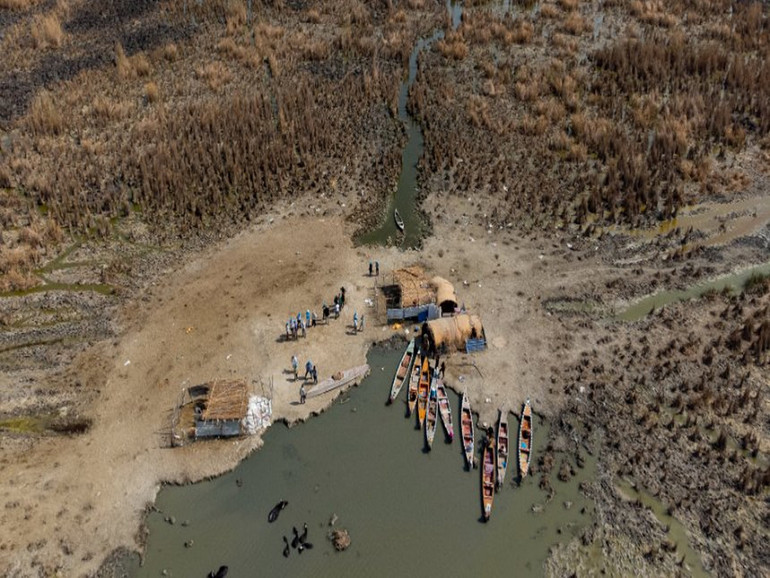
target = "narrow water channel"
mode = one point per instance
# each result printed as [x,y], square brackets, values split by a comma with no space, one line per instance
[405,197]
[409,512]
[733,282]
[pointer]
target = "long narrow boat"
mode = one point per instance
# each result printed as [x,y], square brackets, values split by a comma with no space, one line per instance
[488,478]
[466,426]
[338,380]
[422,392]
[502,447]
[398,219]
[414,381]
[444,410]
[431,419]
[525,439]
[402,373]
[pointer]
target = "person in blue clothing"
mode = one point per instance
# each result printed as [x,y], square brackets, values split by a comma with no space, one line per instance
[308,368]
[355,320]
[307,317]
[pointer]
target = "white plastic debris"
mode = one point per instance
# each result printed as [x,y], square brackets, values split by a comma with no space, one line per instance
[128,362]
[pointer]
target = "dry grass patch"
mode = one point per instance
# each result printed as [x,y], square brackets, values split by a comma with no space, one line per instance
[653,12]
[46,31]
[151,92]
[575,24]
[16,4]
[215,75]
[236,16]
[453,46]
[44,117]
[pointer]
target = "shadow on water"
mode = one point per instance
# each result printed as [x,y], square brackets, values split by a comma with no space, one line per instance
[363,463]
[405,197]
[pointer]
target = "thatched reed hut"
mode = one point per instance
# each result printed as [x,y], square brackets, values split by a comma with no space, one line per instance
[452,333]
[223,409]
[446,298]
[413,287]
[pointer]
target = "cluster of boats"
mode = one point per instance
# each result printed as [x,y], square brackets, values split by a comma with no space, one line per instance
[427,393]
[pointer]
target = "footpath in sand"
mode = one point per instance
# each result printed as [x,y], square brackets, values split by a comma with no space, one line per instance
[72,500]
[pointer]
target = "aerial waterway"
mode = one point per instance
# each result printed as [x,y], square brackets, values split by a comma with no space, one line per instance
[408,512]
[406,196]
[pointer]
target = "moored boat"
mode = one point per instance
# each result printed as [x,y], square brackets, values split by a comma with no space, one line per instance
[398,219]
[502,447]
[525,439]
[402,373]
[339,379]
[488,478]
[414,382]
[422,392]
[444,410]
[466,426]
[431,417]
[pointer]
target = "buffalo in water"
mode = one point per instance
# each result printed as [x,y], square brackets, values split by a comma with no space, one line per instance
[273,515]
[221,573]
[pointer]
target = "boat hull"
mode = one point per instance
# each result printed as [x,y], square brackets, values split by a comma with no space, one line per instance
[502,448]
[466,426]
[403,372]
[431,418]
[525,440]
[422,393]
[445,411]
[488,480]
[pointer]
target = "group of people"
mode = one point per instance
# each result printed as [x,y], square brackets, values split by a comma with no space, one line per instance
[297,326]
[376,268]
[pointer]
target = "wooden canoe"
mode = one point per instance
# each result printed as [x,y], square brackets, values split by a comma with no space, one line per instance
[344,378]
[525,439]
[422,392]
[398,219]
[414,381]
[402,373]
[444,410]
[431,418]
[466,426]
[502,447]
[488,478]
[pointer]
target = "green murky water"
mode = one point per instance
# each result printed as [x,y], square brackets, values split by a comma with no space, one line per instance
[409,512]
[676,531]
[734,282]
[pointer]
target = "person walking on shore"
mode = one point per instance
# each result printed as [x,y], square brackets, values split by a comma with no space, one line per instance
[302,393]
[295,366]
[315,374]
[308,368]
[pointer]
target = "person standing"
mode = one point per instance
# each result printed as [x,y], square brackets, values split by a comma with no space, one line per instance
[308,368]
[337,310]
[295,366]
[443,368]
[313,319]
[307,317]
[377,268]
[315,374]
[342,297]
[355,321]
[302,393]
[370,268]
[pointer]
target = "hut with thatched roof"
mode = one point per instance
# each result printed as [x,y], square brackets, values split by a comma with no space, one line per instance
[220,413]
[411,295]
[452,333]
[446,298]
